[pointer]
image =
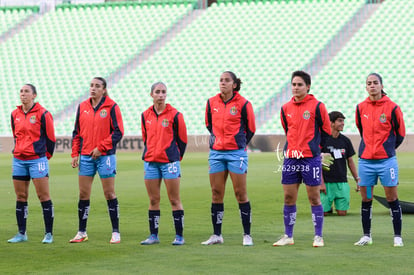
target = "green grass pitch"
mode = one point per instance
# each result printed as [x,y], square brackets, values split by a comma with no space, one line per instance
[97,256]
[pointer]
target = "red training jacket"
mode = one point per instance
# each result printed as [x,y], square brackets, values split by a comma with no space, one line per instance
[306,124]
[33,133]
[100,128]
[164,135]
[381,126]
[231,124]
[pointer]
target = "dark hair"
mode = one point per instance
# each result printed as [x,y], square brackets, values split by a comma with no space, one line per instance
[334,115]
[304,75]
[380,80]
[235,80]
[32,87]
[102,80]
[157,83]
[103,83]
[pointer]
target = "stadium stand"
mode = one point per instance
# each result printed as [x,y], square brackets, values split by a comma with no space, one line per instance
[262,41]
[10,17]
[382,45]
[69,46]
[258,48]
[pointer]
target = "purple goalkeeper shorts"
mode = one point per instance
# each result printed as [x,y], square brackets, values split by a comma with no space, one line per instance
[307,170]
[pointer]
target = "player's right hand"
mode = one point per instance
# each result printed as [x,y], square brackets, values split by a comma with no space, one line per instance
[75,162]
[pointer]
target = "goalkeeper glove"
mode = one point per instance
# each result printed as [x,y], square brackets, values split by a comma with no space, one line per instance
[327,161]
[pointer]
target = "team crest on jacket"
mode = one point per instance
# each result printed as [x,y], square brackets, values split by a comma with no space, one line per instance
[306,115]
[233,110]
[103,113]
[164,122]
[383,118]
[32,119]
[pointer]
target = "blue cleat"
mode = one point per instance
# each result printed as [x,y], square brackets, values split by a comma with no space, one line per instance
[152,239]
[18,238]
[179,240]
[48,238]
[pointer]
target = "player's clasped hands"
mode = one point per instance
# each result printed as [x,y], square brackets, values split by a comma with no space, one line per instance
[95,154]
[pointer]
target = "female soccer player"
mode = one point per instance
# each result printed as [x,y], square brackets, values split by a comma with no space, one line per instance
[306,124]
[381,126]
[98,128]
[34,144]
[231,123]
[165,138]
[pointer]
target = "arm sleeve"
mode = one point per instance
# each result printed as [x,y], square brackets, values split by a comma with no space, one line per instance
[117,131]
[50,135]
[208,117]
[399,126]
[181,134]
[76,136]
[325,126]
[358,120]
[12,125]
[143,129]
[283,120]
[250,122]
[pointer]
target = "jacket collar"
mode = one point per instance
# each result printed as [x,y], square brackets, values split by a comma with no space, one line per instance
[307,98]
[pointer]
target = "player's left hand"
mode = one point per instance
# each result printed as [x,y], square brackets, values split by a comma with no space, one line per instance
[358,180]
[322,188]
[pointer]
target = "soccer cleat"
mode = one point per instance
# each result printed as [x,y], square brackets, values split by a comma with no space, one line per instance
[214,239]
[398,242]
[179,240]
[18,238]
[152,239]
[284,240]
[116,238]
[80,237]
[247,240]
[365,240]
[318,241]
[48,238]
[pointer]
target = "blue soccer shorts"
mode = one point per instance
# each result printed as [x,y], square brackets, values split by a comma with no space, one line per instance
[104,165]
[158,170]
[235,161]
[26,169]
[385,169]
[307,170]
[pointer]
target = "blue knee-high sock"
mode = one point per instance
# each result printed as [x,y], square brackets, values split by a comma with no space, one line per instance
[48,215]
[154,219]
[113,210]
[21,215]
[396,215]
[217,213]
[178,216]
[83,213]
[289,219]
[366,217]
[317,218]
[246,216]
